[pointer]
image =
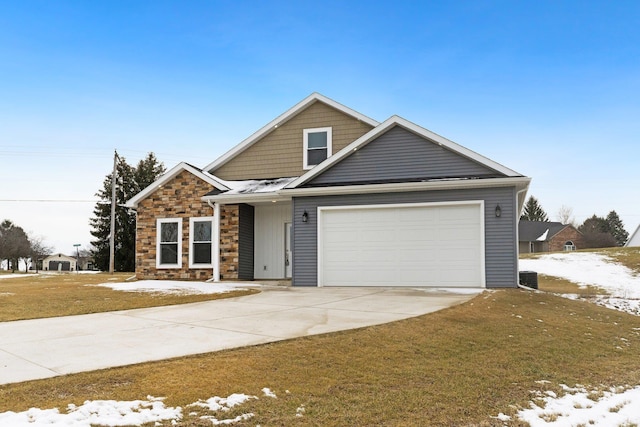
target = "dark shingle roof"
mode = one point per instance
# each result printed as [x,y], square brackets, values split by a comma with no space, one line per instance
[530,231]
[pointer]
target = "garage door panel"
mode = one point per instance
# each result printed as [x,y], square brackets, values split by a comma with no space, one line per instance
[407,245]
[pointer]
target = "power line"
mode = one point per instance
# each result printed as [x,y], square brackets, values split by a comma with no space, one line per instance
[52,201]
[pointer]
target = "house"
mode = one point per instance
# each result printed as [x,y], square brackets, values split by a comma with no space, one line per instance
[634,239]
[59,262]
[543,236]
[326,196]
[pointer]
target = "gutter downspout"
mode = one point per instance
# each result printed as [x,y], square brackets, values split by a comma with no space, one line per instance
[524,190]
[216,242]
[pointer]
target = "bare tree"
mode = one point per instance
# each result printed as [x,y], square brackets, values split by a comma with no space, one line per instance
[39,250]
[565,216]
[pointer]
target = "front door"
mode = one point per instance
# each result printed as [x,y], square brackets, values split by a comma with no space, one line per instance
[288,255]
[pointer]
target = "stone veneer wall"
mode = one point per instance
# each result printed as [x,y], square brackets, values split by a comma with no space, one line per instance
[229,241]
[180,198]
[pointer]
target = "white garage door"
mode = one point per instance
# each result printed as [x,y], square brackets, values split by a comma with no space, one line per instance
[402,245]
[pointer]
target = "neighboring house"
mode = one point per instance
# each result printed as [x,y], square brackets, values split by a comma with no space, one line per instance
[86,263]
[542,236]
[326,196]
[59,262]
[634,239]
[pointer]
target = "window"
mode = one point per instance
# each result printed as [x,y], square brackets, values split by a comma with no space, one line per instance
[169,243]
[569,246]
[201,242]
[317,146]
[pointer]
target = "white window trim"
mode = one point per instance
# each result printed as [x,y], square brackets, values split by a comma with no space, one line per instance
[305,150]
[160,221]
[213,239]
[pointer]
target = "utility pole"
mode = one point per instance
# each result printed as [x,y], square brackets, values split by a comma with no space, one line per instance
[112,235]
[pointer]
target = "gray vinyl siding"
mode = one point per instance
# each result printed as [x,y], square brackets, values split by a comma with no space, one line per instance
[501,263]
[400,155]
[245,242]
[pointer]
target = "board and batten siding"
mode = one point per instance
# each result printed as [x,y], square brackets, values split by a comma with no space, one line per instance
[400,155]
[245,242]
[501,263]
[279,153]
[270,220]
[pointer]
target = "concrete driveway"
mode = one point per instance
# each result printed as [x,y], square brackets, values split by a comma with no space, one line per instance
[43,348]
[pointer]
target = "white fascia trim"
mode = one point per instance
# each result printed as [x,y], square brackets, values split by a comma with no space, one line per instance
[412,127]
[168,176]
[247,198]
[280,120]
[520,183]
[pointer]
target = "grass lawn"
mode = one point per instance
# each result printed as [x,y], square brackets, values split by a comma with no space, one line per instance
[458,366]
[50,295]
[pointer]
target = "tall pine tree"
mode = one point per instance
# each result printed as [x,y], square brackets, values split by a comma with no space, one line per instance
[596,233]
[533,211]
[616,228]
[14,243]
[130,181]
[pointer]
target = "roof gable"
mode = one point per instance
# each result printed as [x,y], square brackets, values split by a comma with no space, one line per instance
[169,175]
[634,239]
[399,155]
[475,162]
[280,121]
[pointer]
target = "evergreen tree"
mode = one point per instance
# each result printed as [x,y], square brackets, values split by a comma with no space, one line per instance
[596,233]
[14,243]
[594,224]
[147,171]
[616,228]
[533,211]
[130,181]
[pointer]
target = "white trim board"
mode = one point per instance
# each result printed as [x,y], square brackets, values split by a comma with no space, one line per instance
[168,176]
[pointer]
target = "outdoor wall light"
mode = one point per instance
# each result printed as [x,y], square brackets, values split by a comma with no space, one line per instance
[498,211]
[305,216]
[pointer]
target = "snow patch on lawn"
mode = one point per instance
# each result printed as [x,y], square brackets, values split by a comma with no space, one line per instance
[588,269]
[584,269]
[174,287]
[126,413]
[579,406]
[97,412]
[14,275]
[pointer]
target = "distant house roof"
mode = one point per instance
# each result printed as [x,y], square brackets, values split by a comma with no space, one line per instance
[540,231]
[59,256]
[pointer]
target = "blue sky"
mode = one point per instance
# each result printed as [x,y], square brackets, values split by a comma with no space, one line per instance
[548,88]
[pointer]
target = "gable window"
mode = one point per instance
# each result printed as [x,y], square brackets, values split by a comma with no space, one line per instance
[169,243]
[201,242]
[317,146]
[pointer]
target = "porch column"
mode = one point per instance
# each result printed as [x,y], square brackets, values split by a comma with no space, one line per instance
[216,242]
